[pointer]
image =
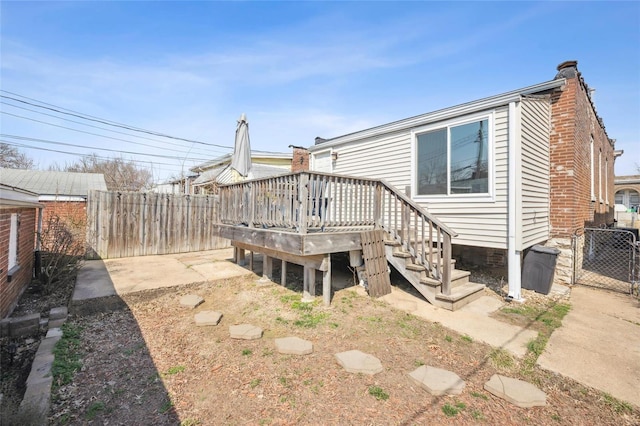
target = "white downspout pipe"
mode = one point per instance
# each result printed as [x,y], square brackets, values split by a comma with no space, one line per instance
[513,254]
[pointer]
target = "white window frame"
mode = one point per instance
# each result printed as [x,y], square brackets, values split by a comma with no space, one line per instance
[600,175]
[606,180]
[13,242]
[591,164]
[467,198]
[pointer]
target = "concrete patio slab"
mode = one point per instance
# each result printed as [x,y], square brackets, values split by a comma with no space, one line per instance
[294,346]
[245,332]
[517,392]
[437,381]
[359,362]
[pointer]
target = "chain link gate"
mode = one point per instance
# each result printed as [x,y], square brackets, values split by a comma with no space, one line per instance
[607,258]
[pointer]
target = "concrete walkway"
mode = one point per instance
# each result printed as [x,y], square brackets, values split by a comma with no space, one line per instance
[599,343]
[472,320]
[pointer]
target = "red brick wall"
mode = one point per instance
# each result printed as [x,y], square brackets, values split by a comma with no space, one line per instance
[10,291]
[574,121]
[300,162]
[72,213]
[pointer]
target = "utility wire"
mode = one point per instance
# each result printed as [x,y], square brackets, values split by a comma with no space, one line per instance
[100,120]
[149,163]
[24,138]
[88,133]
[98,127]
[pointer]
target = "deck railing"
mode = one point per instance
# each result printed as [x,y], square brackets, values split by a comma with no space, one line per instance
[312,201]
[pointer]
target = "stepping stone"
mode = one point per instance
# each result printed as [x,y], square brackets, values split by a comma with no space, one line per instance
[191,300]
[58,313]
[245,332]
[294,346]
[207,318]
[54,332]
[359,362]
[517,392]
[437,381]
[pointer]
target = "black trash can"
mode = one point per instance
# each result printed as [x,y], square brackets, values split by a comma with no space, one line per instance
[539,267]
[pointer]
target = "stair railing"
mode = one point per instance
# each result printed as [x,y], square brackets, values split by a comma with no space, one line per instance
[313,202]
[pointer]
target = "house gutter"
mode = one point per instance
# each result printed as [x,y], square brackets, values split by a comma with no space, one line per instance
[513,254]
[440,115]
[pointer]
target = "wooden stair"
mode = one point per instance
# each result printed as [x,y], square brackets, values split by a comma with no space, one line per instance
[462,291]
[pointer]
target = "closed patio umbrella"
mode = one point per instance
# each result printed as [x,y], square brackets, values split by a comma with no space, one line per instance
[241,159]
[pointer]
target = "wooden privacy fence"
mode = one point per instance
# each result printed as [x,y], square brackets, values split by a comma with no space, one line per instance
[125,224]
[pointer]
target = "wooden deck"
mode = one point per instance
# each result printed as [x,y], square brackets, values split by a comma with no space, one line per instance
[302,218]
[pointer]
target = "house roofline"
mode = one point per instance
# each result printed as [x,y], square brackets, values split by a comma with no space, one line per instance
[442,114]
[227,157]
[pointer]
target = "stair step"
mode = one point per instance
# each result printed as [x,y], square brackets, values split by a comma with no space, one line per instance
[460,296]
[458,278]
[415,267]
[402,254]
[392,243]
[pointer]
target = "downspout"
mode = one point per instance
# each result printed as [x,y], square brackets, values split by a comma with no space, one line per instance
[513,254]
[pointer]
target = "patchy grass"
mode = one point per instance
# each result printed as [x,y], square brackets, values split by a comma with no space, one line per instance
[67,355]
[617,405]
[453,410]
[544,318]
[501,359]
[174,370]
[378,393]
[94,409]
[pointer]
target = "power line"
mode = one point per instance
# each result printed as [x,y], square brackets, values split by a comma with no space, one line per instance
[83,116]
[92,126]
[88,133]
[20,145]
[171,157]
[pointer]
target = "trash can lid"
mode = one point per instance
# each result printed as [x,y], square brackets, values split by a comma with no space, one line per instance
[546,250]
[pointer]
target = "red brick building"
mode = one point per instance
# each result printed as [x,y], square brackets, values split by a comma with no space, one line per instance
[62,193]
[18,218]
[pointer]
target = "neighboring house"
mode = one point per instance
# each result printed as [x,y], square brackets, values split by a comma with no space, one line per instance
[531,166]
[627,200]
[18,217]
[218,171]
[628,191]
[61,193]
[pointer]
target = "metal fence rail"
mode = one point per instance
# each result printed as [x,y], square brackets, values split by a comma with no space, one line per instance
[607,258]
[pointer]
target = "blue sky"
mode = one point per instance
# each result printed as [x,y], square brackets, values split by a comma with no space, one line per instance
[298,70]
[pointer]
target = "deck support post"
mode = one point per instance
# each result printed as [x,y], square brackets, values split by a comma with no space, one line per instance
[267,267]
[355,258]
[251,261]
[309,286]
[283,273]
[239,256]
[326,281]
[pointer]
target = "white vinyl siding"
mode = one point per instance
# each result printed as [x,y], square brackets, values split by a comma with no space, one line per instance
[481,223]
[535,194]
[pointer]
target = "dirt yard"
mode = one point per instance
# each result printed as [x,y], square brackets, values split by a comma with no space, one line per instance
[150,364]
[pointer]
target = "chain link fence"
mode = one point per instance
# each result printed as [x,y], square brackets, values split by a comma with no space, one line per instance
[607,258]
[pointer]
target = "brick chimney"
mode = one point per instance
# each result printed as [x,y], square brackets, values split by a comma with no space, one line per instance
[300,161]
[567,69]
